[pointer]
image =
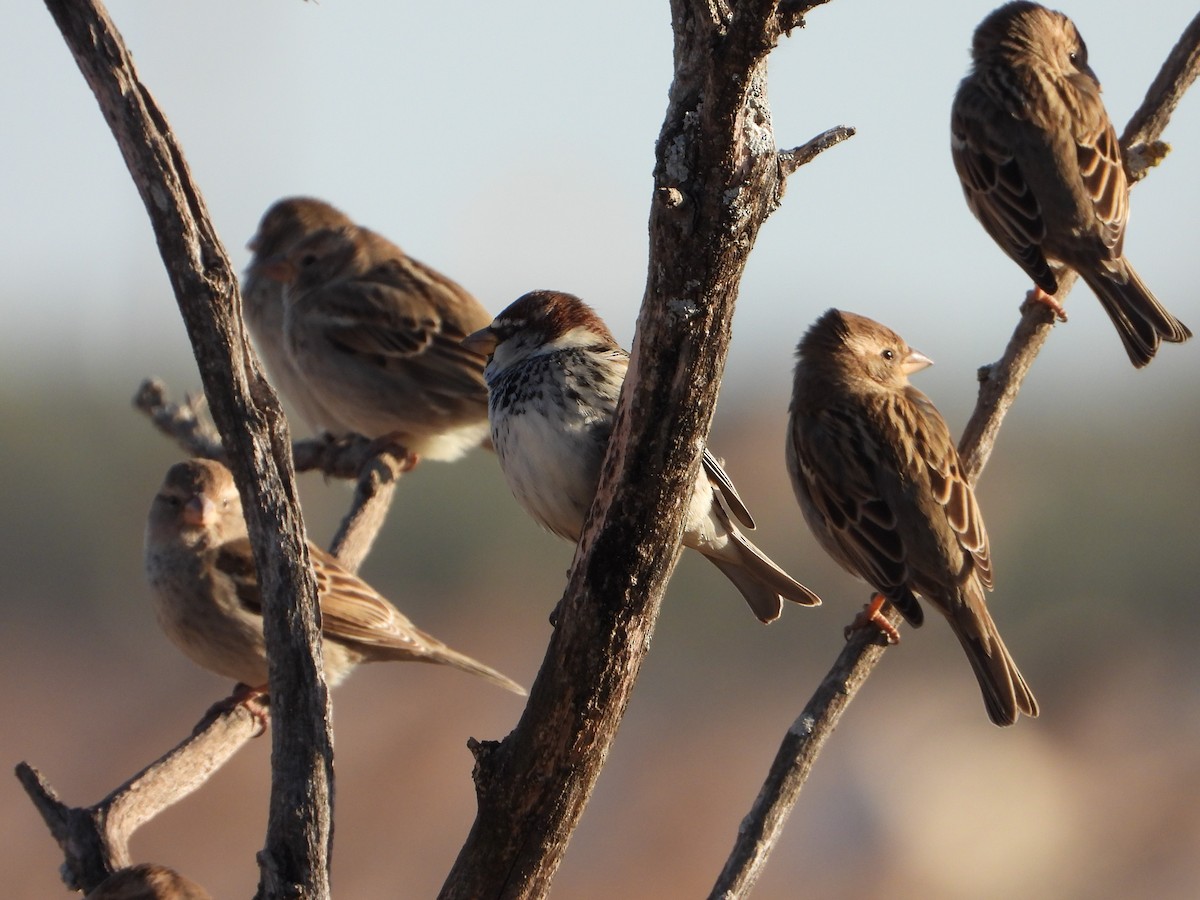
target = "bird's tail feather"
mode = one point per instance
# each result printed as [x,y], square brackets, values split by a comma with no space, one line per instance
[1005,692]
[1140,320]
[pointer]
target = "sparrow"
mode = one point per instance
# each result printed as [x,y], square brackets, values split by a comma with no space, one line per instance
[374,337]
[148,881]
[880,484]
[201,572]
[554,375]
[1041,168]
[283,225]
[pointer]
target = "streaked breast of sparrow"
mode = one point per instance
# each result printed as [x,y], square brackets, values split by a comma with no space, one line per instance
[1041,168]
[206,595]
[283,226]
[881,486]
[375,337]
[554,377]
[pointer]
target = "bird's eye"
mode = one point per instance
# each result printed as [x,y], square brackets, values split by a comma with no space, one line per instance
[889,354]
[308,259]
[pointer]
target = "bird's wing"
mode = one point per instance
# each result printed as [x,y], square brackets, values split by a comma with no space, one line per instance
[997,191]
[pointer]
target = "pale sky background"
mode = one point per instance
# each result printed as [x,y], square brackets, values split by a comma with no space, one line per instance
[511,145]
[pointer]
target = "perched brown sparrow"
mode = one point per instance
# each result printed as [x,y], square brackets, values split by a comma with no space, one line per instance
[284,225]
[148,881]
[201,569]
[1041,167]
[880,484]
[375,340]
[554,376]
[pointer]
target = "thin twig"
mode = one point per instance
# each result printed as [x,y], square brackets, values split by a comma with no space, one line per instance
[791,160]
[95,839]
[999,384]
[372,497]
[1150,119]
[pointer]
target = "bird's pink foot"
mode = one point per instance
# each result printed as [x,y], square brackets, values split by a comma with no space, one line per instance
[253,698]
[871,615]
[1037,295]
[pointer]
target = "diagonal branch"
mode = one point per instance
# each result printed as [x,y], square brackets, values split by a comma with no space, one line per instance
[1174,78]
[295,860]
[95,839]
[999,384]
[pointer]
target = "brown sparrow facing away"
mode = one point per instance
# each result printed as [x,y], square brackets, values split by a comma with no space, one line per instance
[1041,168]
[375,340]
[148,881]
[554,376]
[284,225]
[881,486]
[206,596]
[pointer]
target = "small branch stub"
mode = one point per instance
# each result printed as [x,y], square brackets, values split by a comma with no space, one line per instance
[791,160]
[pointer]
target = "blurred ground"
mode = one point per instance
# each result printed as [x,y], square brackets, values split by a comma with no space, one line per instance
[1093,517]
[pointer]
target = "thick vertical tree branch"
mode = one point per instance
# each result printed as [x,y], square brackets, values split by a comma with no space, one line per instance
[999,384]
[716,177]
[295,860]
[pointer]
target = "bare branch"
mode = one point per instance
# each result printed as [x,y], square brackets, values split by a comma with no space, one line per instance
[295,860]
[1000,381]
[716,175]
[791,160]
[999,384]
[1151,118]
[181,422]
[792,13]
[372,497]
[763,825]
[95,839]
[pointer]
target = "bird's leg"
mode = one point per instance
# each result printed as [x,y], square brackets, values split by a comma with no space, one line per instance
[871,615]
[1037,295]
[253,698]
[393,445]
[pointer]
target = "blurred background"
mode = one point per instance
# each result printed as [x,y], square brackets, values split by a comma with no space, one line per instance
[511,146]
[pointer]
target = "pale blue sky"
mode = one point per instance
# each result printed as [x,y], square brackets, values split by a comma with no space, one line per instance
[511,145]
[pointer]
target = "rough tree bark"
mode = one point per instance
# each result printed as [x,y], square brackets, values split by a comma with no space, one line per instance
[295,859]
[718,175]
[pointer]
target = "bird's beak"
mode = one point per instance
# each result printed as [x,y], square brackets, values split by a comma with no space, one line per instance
[253,244]
[199,511]
[482,341]
[915,362]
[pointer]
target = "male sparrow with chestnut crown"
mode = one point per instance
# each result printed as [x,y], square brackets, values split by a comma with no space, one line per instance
[881,486]
[554,376]
[206,594]
[1041,168]
[283,225]
[375,337]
